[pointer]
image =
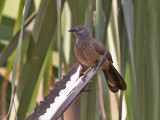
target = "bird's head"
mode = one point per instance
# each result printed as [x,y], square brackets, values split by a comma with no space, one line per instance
[81,31]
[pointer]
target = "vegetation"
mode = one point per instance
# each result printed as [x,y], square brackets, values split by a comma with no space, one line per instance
[128,28]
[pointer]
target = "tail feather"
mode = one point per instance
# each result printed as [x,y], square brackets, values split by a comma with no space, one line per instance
[114,79]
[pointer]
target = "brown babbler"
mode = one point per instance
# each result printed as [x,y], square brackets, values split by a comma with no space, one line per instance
[88,51]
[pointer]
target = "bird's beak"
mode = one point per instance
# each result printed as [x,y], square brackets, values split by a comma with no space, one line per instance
[72,30]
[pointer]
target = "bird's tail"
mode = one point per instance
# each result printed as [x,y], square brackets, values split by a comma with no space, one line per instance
[114,79]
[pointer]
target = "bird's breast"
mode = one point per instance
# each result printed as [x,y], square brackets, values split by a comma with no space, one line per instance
[85,53]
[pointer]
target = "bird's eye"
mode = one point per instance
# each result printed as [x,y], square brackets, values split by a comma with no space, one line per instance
[80,29]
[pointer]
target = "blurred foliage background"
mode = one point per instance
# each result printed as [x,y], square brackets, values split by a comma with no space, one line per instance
[130,29]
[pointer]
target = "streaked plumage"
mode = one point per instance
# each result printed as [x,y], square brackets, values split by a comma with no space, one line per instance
[88,51]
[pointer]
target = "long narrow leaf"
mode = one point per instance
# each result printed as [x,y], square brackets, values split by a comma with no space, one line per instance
[14,41]
[15,65]
[47,14]
[128,17]
[2,4]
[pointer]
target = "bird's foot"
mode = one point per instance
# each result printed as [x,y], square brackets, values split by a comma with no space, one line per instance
[83,70]
[84,77]
[96,64]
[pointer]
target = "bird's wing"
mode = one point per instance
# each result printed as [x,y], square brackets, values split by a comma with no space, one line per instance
[100,49]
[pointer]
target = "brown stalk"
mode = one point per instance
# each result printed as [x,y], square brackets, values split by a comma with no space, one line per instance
[3,99]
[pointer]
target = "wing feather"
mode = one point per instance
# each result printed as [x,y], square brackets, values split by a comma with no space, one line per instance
[100,49]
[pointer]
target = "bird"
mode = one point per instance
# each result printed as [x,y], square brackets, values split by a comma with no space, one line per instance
[89,51]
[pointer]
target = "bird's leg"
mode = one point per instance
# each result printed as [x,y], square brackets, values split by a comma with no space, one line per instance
[84,77]
[83,70]
[96,64]
[85,74]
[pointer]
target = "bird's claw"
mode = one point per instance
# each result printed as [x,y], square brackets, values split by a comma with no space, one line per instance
[96,64]
[84,77]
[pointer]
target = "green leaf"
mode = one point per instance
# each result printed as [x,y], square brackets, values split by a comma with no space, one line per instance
[47,75]
[59,38]
[2,4]
[5,33]
[15,65]
[44,27]
[124,55]
[67,42]
[87,97]
[19,18]
[106,97]
[13,42]
[78,17]
[152,66]
[90,107]
[128,93]
[91,7]
[99,21]
[99,34]
[42,71]
[9,10]
[128,17]
[107,5]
